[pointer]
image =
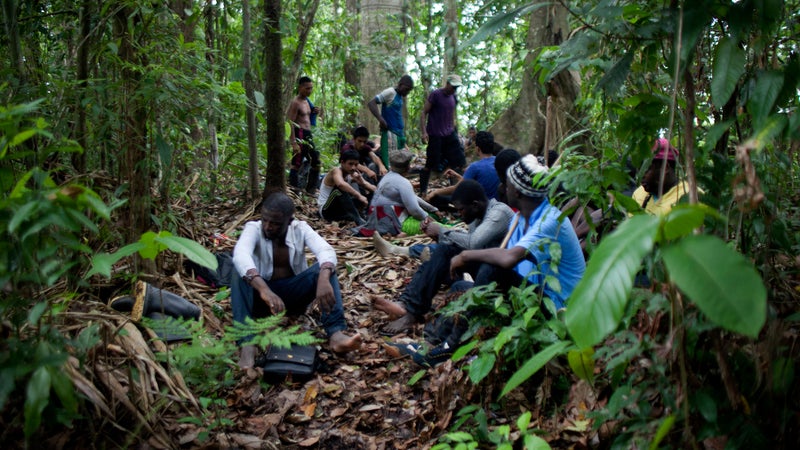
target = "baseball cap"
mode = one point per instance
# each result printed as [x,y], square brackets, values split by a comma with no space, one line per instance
[454,80]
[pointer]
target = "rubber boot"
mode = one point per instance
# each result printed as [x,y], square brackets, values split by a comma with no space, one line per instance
[147,299]
[386,249]
[424,177]
[294,180]
[313,180]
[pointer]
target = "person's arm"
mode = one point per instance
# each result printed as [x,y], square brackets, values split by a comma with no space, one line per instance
[326,257]
[410,200]
[366,170]
[423,118]
[373,108]
[492,228]
[344,186]
[362,182]
[441,192]
[246,266]
[500,257]
[378,163]
[291,116]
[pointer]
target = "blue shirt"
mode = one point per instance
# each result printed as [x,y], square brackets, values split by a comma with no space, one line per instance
[483,172]
[391,110]
[536,234]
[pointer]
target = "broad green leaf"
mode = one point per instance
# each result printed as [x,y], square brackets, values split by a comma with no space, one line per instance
[728,67]
[22,214]
[62,385]
[706,406]
[37,395]
[582,363]
[682,220]
[615,77]
[598,301]
[721,281]
[36,313]
[21,137]
[481,366]
[151,247]
[533,442]
[164,152]
[774,126]
[102,262]
[464,349]
[189,248]
[715,133]
[499,22]
[762,99]
[534,364]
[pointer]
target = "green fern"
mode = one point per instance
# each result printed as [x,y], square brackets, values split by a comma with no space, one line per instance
[268,331]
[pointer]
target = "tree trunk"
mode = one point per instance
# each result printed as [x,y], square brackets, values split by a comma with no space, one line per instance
[133,116]
[385,62]
[352,75]
[82,75]
[524,125]
[12,35]
[210,14]
[273,63]
[250,112]
[450,37]
[305,14]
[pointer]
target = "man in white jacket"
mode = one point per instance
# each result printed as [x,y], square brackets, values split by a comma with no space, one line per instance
[270,260]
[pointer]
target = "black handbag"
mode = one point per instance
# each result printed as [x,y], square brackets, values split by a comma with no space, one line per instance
[298,362]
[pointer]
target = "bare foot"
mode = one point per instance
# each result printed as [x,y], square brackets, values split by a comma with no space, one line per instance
[247,357]
[395,310]
[342,343]
[400,325]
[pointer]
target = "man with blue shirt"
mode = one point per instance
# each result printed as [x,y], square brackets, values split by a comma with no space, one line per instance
[482,171]
[390,116]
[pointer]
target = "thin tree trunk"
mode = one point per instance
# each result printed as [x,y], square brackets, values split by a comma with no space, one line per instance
[306,15]
[79,159]
[250,113]
[12,35]
[273,63]
[211,38]
[450,37]
[352,75]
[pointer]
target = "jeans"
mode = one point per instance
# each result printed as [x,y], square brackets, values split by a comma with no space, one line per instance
[419,293]
[297,293]
[416,250]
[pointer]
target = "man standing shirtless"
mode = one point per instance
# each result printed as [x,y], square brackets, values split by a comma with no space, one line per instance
[299,115]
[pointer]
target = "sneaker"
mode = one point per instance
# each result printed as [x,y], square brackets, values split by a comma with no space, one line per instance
[434,356]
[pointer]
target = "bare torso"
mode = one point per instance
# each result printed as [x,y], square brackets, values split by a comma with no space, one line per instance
[300,112]
[280,261]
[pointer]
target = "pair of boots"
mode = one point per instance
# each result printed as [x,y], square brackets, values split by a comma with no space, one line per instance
[158,305]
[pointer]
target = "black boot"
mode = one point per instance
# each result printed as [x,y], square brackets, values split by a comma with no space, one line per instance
[294,180]
[147,299]
[424,177]
[313,180]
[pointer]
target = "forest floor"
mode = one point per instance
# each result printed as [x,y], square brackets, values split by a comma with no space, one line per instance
[372,398]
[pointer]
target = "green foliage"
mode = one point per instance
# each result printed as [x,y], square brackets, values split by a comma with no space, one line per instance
[43,228]
[149,246]
[267,331]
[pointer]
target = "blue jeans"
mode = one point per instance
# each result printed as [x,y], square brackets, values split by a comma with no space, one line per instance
[416,250]
[297,293]
[425,283]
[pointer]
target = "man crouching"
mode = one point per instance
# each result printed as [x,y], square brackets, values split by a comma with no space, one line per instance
[270,260]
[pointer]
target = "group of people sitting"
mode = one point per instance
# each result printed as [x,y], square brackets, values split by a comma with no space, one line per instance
[501,197]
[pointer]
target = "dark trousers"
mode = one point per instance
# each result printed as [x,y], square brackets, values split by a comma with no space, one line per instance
[297,293]
[341,207]
[425,283]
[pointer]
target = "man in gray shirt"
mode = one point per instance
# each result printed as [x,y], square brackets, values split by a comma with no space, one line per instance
[488,222]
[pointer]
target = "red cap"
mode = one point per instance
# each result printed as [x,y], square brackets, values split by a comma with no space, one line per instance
[663,150]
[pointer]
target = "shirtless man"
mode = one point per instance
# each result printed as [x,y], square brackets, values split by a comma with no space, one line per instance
[271,266]
[299,115]
[337,192]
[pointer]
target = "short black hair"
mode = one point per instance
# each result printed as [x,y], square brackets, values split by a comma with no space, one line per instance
[360,131]
[407,80]
[280,202]
[484,140]
[505,159]
[302,80]
[552,157]
[349,155]
[468,191]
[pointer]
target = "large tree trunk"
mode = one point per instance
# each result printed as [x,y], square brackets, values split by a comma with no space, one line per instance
[384,59]
[250,112]
[136,163]
[352,75]
[529,121]
[450,37]
[273,64]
